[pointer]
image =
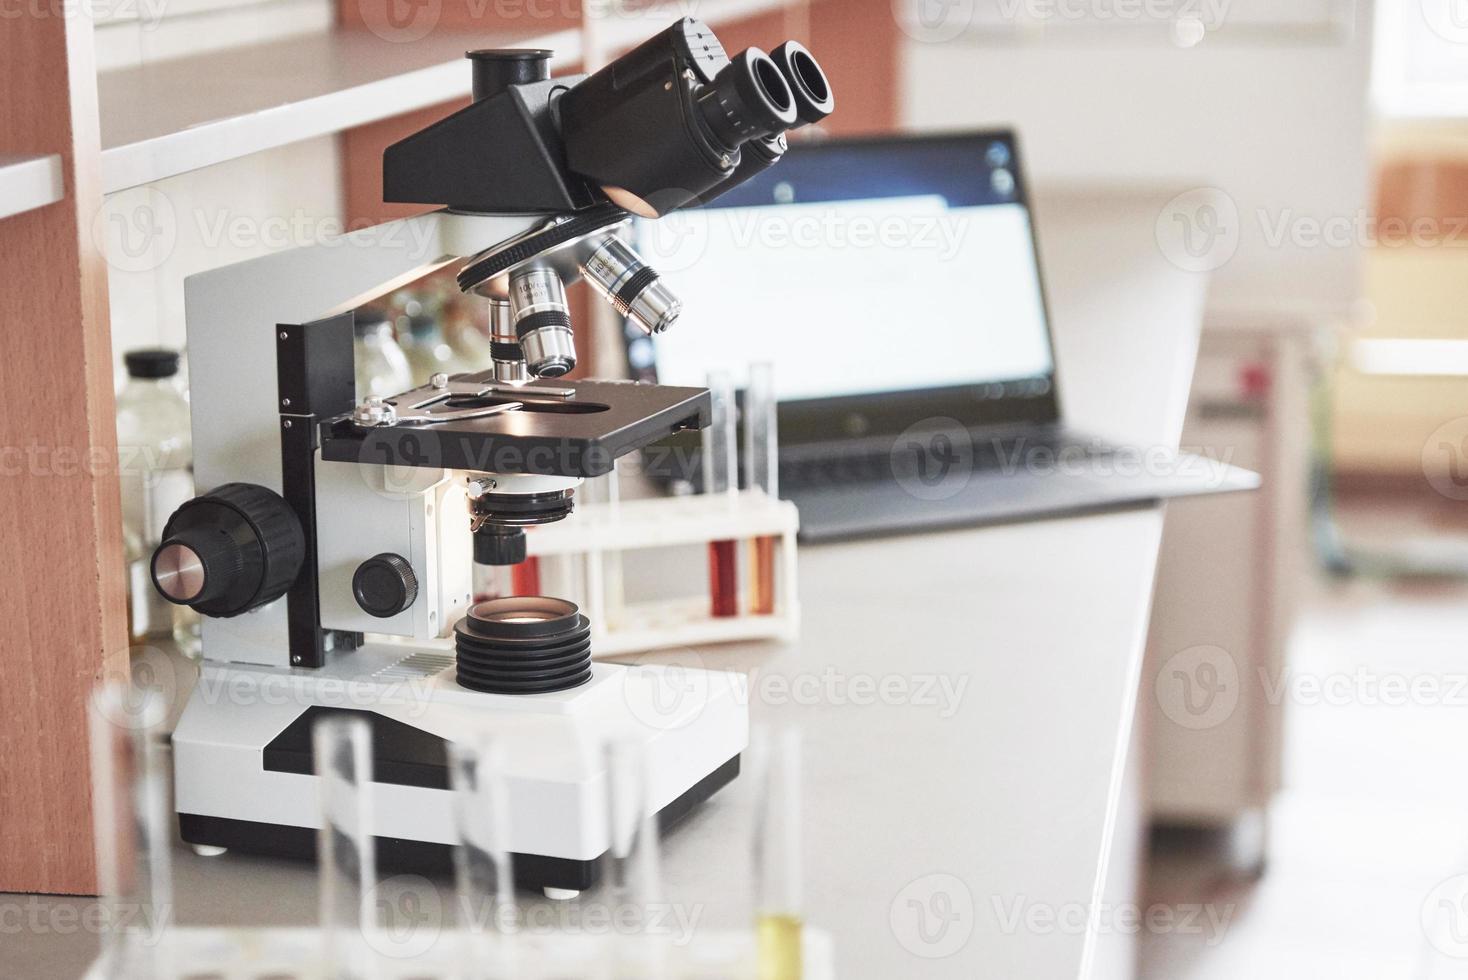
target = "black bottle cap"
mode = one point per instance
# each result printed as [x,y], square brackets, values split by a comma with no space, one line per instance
[496,69]
[368,320]
[153,362]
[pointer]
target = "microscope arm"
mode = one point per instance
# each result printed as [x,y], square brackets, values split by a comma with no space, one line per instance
[232,313]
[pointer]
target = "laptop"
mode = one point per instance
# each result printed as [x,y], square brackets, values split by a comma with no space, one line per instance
[894,284]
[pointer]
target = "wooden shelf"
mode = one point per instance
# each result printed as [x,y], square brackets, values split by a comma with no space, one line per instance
[170,117]
[29,182]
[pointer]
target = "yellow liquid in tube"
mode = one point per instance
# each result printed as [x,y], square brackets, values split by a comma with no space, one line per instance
[779,947]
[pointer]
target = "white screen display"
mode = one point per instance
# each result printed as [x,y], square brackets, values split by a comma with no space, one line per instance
[851,297]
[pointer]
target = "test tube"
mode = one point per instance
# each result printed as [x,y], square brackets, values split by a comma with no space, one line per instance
[634,876]
[525,577]
[779,922]
[761,467]
[131,828]
[492,581]
[483,871]
[347,861]
[720,462]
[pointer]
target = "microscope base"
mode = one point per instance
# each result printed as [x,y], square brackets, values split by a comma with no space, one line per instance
[244,773]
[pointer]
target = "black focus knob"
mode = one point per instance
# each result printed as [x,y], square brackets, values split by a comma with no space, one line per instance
[385,585]
[229,551]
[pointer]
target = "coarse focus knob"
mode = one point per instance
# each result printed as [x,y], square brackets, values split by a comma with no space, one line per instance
[229,551]
[385,585]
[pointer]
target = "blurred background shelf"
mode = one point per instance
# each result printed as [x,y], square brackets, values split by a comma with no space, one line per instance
[169,117]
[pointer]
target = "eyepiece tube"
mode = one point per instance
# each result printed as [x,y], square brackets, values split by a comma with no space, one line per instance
[754,157]
[632,286]
[811,89]
[542,321]
[747,99]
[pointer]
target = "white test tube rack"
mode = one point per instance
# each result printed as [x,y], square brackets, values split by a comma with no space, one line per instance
[582,555]
[353,941]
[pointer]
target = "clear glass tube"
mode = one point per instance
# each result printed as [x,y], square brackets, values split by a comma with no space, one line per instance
[720,464]
[762,473]
[132,829]
[633,874]
[492,581]
[346,858]
[484,875]
[779,916]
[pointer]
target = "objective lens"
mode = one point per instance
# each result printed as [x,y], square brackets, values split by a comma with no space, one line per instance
[747,99]
[504,343]
[808,83]
[632,286]
[542,321]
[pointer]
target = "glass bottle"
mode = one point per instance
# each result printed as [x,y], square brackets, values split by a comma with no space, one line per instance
[381,367]
[428,353]
[155,473]
[467,336]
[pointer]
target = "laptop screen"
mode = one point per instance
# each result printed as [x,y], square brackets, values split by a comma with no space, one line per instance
[887,281]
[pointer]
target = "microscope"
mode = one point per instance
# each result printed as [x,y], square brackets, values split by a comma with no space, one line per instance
[332,554]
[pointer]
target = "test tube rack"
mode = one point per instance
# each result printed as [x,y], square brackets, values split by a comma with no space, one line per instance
[582,555]
[359,936]
[198,953]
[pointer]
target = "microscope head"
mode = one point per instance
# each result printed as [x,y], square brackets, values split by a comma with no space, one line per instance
[673,123]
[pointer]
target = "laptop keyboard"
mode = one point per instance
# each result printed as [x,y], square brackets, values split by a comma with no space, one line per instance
[843,465]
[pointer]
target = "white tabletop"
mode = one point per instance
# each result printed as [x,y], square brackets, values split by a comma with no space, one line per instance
[965,697]
[981,790]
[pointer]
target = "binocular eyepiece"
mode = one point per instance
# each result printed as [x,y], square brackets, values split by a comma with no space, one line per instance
[666,124]
[673,122]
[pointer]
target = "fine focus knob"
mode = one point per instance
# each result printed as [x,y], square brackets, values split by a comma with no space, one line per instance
[385,585]
[229,551]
